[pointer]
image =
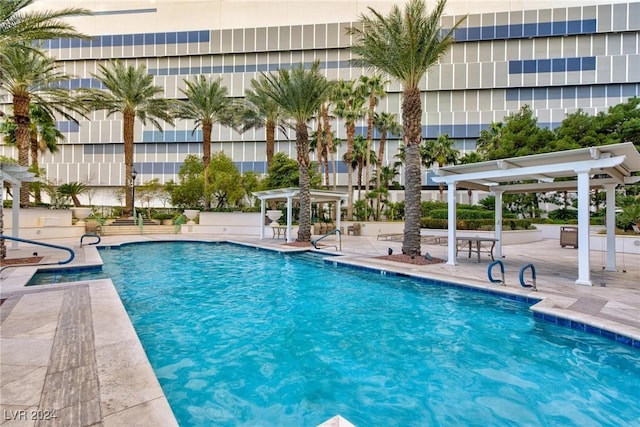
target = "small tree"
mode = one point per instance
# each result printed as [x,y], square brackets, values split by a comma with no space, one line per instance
[72,190]
[189,193]
[225,181]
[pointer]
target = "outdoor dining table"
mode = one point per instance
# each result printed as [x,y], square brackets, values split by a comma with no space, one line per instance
[461,242]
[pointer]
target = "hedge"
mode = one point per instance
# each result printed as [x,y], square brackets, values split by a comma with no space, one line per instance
[476,224]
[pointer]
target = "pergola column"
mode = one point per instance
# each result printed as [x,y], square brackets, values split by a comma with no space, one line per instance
[584,274]
[263,212]
[610,222]
[15,213]
[498,223]
[289,219]
[451,232]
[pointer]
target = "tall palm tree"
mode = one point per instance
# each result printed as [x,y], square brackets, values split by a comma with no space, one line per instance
[362,155]
[129,91]
[371,88]
[262,111]
[385,123]
[18,26]
[207,103]
[32,78]
[404,44]
[440,152]
[300,93]
[349,106]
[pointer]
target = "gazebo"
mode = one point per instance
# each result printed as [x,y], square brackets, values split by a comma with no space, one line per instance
[289,195]
[604,167]
[15,175]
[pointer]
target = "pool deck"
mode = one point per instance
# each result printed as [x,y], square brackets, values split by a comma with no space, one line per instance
[70,350]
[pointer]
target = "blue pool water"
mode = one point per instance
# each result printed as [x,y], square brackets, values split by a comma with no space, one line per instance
[240,336]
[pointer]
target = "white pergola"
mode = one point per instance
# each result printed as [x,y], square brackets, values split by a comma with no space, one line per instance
[15,175]
[603,167]
[291,194]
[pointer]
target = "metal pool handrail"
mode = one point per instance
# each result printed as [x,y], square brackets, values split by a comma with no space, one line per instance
[72,254]
[90,235]
[336,231]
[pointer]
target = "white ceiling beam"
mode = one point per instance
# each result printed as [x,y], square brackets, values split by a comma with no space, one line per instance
[505,175]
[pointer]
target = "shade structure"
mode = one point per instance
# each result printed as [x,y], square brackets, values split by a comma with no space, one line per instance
[291,194]
[604,167]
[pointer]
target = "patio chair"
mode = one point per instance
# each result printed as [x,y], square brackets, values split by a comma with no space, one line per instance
[636,229]
[354,229]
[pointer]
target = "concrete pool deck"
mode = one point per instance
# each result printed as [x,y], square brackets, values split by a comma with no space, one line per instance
[70,350]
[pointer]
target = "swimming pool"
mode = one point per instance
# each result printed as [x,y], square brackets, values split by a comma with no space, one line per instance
[239,336]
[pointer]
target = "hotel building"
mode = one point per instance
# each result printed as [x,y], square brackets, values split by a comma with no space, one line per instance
[555,56]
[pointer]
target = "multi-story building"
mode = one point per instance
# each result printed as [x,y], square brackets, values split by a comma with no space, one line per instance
[556,56]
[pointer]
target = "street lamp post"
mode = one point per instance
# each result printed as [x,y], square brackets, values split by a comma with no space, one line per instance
[134,175]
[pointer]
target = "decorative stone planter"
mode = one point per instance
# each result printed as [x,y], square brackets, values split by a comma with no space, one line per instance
[81,214]
[191,214]
[274,216]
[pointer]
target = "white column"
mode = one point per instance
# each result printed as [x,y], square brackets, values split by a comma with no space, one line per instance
[451,233]
[584,274]
[498,223]
[15,213]
[289,219]
[263,212]
[611,227]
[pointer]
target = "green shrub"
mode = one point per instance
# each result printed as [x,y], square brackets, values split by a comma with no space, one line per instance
[463,214]
[476,224]
[563,214]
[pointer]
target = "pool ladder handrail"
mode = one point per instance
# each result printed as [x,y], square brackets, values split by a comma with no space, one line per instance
[72,254]
[336,231]
[90,235]
[490,268]
[523,283]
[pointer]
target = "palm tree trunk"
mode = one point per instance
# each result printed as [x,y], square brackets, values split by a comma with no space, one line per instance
[127,137]
[23,140]
[34,164]
[372,107]
[270,129]
[302,147]
[412,125]
[351,131]
[319,145]
[206,159]
[383,141]
[327,130]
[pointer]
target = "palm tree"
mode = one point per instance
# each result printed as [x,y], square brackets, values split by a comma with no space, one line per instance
[262,111]
[32,78]
[72,190]
[360,159]
[19,28]
[404,45]
[385,123]
[300,93]
[489,139]
[440,152]
[44,138]
[207,103]
[371,88]
[129,91]
[349,106]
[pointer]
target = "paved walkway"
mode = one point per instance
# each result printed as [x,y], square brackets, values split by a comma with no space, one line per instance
[70,351]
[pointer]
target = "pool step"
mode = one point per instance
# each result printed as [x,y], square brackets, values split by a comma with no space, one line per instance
[113,230]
